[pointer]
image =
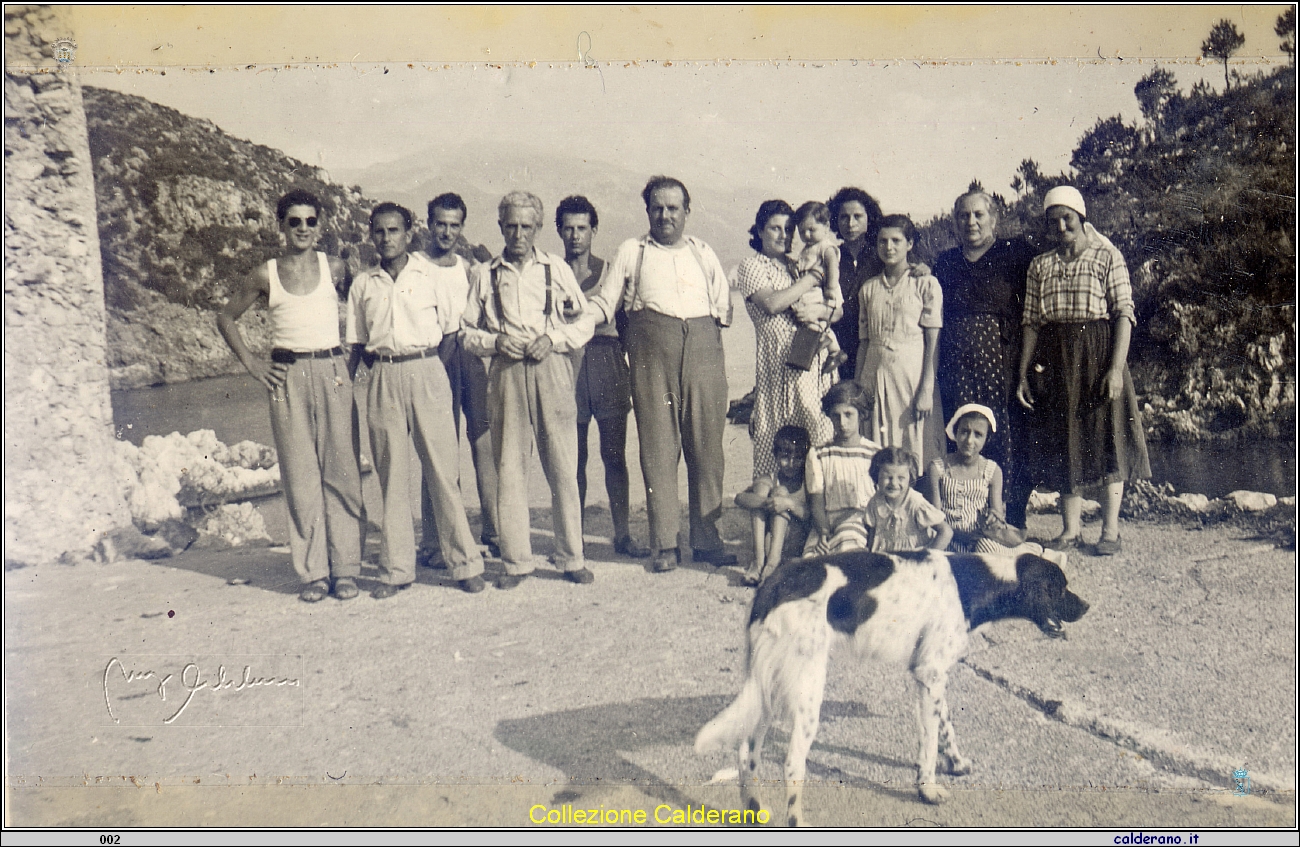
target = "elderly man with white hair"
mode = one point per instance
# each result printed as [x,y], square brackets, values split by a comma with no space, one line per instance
[527,312]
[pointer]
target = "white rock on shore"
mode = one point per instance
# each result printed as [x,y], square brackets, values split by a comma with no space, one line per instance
[1252,501]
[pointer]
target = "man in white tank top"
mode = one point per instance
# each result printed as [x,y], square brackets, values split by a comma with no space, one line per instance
[313,418]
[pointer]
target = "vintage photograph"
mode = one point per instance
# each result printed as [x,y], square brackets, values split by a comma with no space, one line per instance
[650,417]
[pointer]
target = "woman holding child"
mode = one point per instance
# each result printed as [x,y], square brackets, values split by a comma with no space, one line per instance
[782,395]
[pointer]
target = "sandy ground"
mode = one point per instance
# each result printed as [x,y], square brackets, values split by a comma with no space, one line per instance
[441,708]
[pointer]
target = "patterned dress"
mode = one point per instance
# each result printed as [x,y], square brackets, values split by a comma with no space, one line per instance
[909,526]
[782,395]
[892,325]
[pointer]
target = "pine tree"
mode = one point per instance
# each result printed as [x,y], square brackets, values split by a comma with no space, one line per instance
[1224,40]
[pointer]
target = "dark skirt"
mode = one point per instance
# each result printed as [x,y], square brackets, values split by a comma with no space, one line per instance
[1080,438]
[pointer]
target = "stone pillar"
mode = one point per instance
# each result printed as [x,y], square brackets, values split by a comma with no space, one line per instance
[60,496]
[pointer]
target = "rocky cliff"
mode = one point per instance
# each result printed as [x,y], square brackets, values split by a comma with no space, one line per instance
[184,212]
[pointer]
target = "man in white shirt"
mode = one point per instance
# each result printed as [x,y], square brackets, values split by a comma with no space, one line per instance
[677,299]
[398,314]
[468,377]
[527,312]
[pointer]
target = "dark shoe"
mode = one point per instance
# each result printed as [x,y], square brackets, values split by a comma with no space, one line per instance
[385,591]
[429,557]
[510,580]
[666,560]
[314,592]
[473,585]
[1108,547]
[630,548]
[582,576]
[493,551]
[718,558]
[345,588]
[1064,544]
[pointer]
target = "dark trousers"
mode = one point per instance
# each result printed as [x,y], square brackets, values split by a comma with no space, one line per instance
[679,392]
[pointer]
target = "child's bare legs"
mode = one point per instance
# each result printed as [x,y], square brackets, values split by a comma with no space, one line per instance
[759,523]
[780,523]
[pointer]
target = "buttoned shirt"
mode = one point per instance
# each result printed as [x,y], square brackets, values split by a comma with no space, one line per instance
[517,307]
[683,281]
[1095,286]
[394,317]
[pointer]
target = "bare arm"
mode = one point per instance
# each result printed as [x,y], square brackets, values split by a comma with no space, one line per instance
[924,403]
[256,284]
[995,494]
[775,302]
[932,485]
[1113,387]
[1027,347]
[788,504]
[942,537]
[820,519]
[342,276]
[755,497]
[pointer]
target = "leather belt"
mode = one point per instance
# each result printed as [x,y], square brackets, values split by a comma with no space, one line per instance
[427,353]
[288,357]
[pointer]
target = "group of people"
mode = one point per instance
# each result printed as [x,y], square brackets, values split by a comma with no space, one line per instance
[528,347]
[861,354]
[1023,353]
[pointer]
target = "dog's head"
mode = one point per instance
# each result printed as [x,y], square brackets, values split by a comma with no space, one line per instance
[1042,596]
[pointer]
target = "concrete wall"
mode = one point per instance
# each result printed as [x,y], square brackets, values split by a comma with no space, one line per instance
[59,493]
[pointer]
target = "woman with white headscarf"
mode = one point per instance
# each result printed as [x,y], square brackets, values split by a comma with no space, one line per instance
[1074,371]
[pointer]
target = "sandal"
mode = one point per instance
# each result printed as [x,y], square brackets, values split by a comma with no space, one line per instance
[314,592]
[1064,544]
[345,588]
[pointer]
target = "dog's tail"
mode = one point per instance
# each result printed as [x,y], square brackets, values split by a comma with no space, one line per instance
[735,722]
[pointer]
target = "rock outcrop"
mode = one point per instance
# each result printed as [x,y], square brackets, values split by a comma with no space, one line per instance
[60,495]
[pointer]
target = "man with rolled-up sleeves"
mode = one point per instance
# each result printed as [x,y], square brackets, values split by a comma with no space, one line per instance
[677,299]
[527,312]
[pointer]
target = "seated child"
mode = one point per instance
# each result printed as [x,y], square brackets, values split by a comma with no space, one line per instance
[968,488]
[838,476]
[779,505]
[899,517]
[820,260]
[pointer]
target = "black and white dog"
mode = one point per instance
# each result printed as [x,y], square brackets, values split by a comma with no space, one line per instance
[913,608]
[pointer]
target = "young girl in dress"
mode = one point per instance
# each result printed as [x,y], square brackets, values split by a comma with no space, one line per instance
[968,488]
[900,519]
[779,505]
[898,327]
[838,475]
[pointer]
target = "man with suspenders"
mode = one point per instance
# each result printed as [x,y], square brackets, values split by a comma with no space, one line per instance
[677,299]
[527,312]
[313,419]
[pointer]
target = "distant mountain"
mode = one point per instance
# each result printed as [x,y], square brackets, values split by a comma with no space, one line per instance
[483,171]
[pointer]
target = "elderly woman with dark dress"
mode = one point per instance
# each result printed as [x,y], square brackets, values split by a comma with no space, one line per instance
[1078,319]
[983,284]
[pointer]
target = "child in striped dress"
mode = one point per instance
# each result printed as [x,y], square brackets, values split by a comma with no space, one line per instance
[838,475]
[968,488]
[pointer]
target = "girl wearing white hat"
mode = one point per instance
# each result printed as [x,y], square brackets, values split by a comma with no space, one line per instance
[1074,371]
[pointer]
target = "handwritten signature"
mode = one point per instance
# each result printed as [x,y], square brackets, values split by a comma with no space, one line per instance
[191,682]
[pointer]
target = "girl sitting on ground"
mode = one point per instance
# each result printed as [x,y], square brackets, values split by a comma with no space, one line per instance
[968,488]
[838,475]
[779,505]
[900,519]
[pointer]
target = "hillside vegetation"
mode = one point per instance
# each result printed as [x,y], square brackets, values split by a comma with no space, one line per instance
[1200,198]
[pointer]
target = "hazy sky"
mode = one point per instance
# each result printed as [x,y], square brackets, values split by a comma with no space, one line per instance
[914,134]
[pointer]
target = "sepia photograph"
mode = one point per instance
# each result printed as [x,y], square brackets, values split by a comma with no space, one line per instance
[587,418]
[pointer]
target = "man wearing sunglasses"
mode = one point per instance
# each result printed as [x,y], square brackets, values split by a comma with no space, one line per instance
[310,388]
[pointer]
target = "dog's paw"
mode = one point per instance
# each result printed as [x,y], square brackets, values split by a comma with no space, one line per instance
[957,765]
[932,793]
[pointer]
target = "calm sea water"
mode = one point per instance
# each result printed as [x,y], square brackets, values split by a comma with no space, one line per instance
[235,408]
